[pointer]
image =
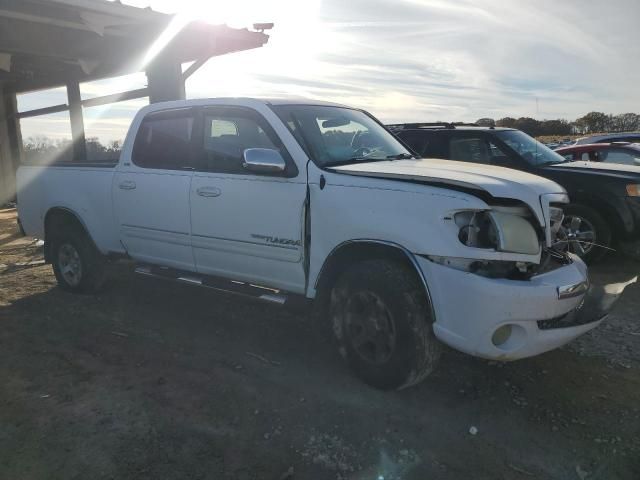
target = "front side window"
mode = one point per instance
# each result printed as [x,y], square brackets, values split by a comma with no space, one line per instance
[336,135]
[164,141]
[469,149]
[476,148]
[228,132]
[623,157]
[529,149]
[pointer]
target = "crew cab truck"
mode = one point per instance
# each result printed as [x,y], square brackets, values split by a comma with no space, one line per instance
[283,200]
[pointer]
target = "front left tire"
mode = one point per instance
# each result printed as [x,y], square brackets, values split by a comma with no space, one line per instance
[382,321]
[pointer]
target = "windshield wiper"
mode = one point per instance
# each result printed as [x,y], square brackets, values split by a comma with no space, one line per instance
[400,156]
[355,160]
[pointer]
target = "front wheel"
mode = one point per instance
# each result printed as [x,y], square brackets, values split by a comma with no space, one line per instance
[586,233]
[382,321]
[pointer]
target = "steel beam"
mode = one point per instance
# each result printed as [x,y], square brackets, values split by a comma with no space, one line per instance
[77,122]
[116,97]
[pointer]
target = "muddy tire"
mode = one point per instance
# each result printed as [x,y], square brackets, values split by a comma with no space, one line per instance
[77,264]
[584,227]
[382,321]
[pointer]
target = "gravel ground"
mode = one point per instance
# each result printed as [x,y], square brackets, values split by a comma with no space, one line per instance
[153,380]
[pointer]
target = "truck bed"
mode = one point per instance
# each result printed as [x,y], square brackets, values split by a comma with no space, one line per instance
[79,187]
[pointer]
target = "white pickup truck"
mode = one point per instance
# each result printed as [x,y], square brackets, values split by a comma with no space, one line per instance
[283,200]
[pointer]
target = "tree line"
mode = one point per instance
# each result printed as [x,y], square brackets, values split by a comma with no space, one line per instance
[592,122]
[42,149]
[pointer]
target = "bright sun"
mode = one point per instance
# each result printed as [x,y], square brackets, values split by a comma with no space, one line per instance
[295,42]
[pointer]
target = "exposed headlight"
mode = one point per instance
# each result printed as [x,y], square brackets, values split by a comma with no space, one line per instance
[557,216]
[501,231]
[633,190]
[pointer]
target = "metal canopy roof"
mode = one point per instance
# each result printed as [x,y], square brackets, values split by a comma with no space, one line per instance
[51,43]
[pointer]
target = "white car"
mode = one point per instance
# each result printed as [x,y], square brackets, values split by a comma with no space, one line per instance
[289,200]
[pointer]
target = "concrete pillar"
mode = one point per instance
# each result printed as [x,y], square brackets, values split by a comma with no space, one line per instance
[10,146]
[165,81]
[77,122]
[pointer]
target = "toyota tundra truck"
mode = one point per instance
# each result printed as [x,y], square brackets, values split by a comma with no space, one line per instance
[290,201]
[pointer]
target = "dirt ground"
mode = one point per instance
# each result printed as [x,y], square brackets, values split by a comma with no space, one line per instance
[153,380]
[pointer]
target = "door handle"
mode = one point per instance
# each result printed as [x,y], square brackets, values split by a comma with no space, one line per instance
[127,185]
[209,192]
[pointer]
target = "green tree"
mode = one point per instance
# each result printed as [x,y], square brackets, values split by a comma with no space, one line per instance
[507,122]
[594,122]
[486,122]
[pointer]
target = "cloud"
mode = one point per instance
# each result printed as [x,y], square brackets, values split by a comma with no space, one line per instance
[410,60]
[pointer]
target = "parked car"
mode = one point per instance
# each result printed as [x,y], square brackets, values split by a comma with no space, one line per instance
[620,152]
[605,198]
[292,201]
[633,137]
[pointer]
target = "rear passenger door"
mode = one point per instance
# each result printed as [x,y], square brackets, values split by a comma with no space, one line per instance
[151,191]
[246,226]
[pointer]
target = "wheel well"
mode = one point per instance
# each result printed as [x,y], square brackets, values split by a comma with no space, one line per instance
[60,218]
[606,211]
[349,253]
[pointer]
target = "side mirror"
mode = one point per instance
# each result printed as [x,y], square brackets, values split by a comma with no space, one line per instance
[263,160]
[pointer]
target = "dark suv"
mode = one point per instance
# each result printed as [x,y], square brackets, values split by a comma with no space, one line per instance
[605,198]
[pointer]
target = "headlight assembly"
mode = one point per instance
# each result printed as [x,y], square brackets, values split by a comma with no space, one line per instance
[498,230]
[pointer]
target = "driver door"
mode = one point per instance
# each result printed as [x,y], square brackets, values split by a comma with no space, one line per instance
[245,225]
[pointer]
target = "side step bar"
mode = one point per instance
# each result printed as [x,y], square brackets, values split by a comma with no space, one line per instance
[215,283]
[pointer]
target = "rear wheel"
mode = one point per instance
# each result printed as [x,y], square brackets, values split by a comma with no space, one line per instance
[77,264]
[586,233]
[383,324]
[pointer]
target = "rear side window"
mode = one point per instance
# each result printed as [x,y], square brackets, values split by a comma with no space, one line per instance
[164,141]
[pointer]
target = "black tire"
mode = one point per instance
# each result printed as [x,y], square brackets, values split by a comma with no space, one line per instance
[403,349]
[600,227]
[90,276]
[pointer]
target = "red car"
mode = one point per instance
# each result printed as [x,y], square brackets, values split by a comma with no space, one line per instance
[617,152]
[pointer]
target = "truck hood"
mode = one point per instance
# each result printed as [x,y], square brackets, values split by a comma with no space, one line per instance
[499,182]
[599,168]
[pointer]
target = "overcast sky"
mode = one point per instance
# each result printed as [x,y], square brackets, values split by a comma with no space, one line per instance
[409,60]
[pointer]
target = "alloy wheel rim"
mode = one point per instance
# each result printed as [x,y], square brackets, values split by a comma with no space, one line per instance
[370,327]
[580,234]
[70,264]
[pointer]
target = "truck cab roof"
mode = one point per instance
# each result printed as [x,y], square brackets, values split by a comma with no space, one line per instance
[237,101]
[443,126]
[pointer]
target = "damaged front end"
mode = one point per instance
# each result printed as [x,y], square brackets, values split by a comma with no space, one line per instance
[506,241]
[524,297]
[550,259]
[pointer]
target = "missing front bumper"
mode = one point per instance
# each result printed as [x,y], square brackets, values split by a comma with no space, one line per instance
[597,303]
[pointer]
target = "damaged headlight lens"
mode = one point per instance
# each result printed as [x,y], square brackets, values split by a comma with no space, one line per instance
[498,230]
[477,229]
[556,217]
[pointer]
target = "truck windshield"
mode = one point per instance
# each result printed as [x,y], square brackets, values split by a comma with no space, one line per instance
[334,136]
[528,148]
